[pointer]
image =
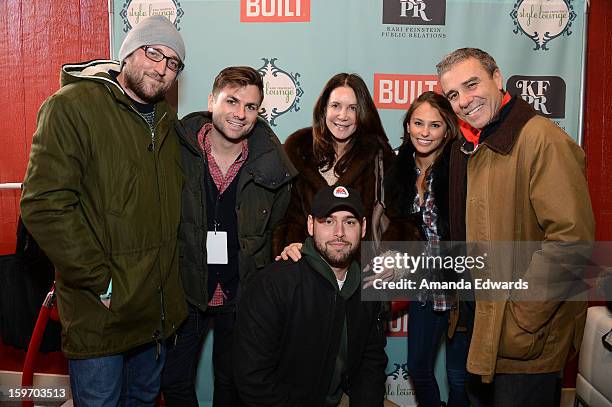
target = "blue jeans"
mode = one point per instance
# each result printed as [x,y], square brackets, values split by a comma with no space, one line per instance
[426,328]
[128,379]
[180,371]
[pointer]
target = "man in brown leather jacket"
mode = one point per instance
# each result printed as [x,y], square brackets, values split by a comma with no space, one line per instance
[516,177]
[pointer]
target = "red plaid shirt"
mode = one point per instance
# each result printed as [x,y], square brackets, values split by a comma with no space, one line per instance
[428,211]
[221,182]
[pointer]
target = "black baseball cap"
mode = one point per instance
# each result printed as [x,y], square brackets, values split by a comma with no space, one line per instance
[337,197]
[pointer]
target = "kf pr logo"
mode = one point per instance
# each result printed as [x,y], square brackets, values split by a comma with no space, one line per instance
[546,94]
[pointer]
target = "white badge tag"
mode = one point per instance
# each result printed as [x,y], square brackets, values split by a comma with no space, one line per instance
[216,247]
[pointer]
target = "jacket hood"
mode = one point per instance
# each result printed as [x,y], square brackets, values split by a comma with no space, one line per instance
[314,259]
[96,70]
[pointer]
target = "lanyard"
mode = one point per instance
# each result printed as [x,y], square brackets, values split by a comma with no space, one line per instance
[211,189]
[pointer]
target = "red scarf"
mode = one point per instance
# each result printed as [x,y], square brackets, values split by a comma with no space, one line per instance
[472,134]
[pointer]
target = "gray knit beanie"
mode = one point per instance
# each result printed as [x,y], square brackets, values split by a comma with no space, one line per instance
[155,30]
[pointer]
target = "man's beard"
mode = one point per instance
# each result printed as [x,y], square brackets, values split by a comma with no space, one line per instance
[334,259]
[137,86]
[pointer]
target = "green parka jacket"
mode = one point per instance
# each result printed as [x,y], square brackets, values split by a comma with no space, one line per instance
[264,190]
[103,201]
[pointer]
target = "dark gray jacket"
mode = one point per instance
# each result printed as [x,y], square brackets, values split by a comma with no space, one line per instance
[264,190]
[288,335]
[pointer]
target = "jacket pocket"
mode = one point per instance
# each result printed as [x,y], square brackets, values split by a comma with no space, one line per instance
[258,249]
[123,181]
[254,211]
[516,343]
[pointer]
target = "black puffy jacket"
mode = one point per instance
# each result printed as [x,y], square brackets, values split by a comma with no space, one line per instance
[264,190]
[288,333]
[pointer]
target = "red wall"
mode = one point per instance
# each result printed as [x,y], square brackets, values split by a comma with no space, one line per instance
[598,116]
[36,38]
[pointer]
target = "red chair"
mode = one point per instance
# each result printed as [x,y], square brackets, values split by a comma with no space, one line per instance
[48,310]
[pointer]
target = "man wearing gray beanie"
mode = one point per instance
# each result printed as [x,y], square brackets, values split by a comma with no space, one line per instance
[102,198]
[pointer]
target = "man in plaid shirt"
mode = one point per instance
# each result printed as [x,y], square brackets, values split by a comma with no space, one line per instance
[237,188]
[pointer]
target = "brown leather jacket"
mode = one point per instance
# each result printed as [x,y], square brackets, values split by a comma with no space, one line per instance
[526,182]
[359,176]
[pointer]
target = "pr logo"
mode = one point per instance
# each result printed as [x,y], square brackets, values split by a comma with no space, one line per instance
[546,94]
[414,12]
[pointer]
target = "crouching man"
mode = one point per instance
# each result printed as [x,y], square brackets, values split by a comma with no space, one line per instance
[304,337]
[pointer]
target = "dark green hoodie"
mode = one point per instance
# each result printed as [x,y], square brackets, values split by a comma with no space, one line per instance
[350,286]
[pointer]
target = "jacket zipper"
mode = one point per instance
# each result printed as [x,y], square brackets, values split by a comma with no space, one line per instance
[161,286]
[157,336]
[153,135]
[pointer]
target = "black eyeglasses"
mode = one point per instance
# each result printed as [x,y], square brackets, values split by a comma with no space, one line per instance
[156,55]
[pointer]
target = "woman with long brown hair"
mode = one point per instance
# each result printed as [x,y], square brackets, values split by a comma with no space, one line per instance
[340,148]
[417,188]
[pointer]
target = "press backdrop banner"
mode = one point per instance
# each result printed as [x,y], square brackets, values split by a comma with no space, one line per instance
[297,45]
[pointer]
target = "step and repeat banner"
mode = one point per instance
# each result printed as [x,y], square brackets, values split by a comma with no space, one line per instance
[297,45]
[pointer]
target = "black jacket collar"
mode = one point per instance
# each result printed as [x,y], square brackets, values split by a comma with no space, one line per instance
[501,134]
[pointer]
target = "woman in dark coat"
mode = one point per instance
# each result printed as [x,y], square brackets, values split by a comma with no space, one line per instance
[340,148]
[417,188]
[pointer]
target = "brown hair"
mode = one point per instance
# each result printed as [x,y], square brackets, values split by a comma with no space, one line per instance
[369,133]
[238,76]
[443,106]
[461,54]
